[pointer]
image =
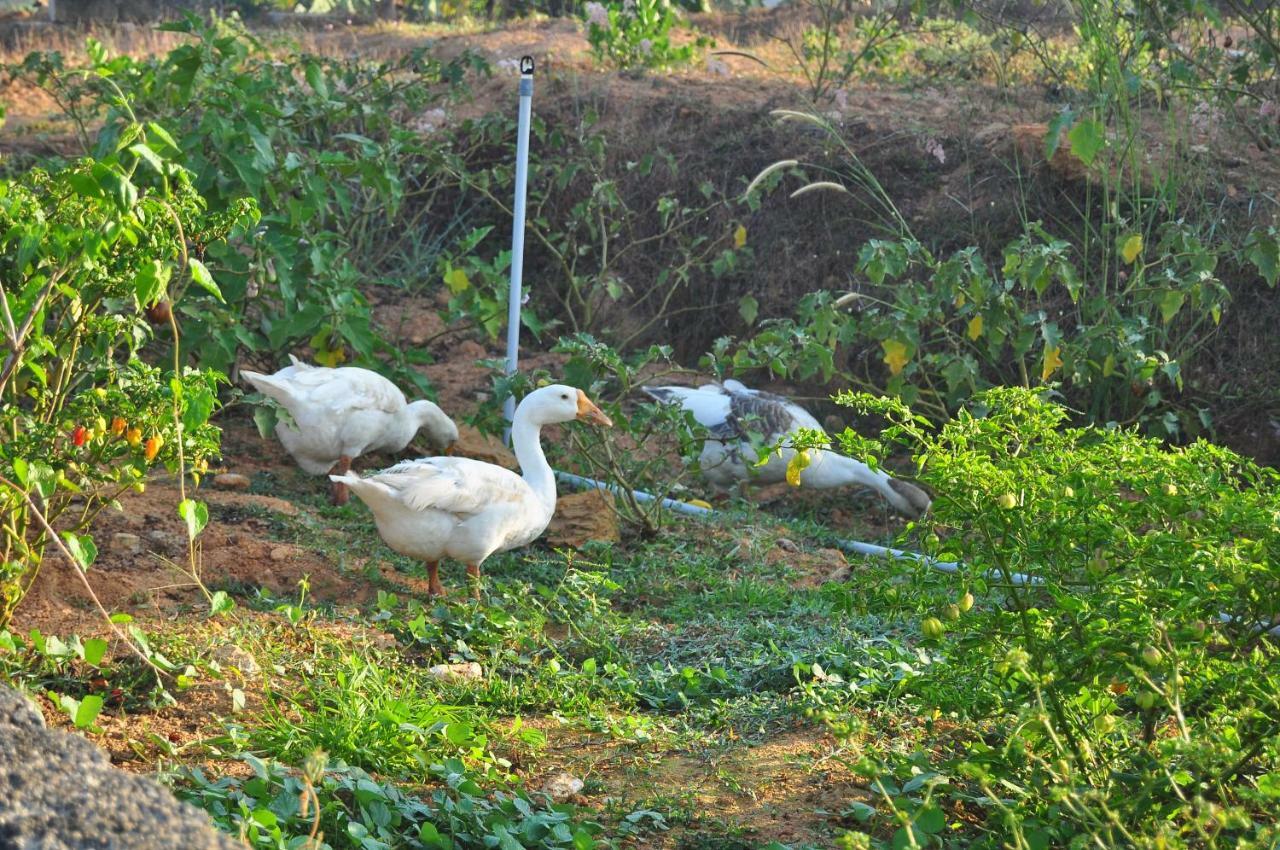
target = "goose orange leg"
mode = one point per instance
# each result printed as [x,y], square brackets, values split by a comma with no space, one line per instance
[434,587]
[473,578]
[338,493]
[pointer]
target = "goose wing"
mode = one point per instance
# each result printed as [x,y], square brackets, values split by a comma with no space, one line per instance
[773,415]
[335,391]
[455,485]
[710,405]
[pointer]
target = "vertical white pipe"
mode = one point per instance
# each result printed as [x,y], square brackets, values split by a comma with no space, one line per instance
[515,296]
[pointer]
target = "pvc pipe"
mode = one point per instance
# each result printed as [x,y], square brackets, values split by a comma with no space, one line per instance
[515,296]
[671,504]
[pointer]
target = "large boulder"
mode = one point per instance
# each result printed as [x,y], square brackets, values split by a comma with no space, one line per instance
[60,792]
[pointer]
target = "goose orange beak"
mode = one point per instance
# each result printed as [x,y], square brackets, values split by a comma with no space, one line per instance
[588,412]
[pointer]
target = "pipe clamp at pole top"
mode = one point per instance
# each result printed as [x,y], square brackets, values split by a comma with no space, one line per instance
[526,66]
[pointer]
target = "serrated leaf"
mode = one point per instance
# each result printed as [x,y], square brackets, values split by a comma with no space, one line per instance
[162,134]
[457,281]
[896,354]
[1087,138]
[1263,250]
[799,463]
[1131,248]
[740,236]
[151,282]
[200,274]
[1052,362]
[975,327]
[148,156]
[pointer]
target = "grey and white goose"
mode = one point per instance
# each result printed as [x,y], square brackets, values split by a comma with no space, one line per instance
[731,412]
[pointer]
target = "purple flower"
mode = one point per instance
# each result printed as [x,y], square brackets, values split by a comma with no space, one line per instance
[597,15]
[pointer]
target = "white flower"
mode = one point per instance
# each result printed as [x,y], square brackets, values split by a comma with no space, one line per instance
[430,121]
[933,147]
[597,14]
[646,46]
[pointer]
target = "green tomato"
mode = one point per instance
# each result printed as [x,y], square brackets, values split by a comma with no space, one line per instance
[932,628]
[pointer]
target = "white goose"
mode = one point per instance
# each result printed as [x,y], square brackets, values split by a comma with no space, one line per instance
[339,414]
[731,411]
[454,507]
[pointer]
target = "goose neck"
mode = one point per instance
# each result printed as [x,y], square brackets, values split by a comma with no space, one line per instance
[527,443]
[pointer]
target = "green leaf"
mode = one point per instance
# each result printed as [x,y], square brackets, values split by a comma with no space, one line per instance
[151,282]
[20,470]
[199,405]
[163,135]
[94,650]
[1087,138]
[200,274]
[1263,250]
[748,309]
[265,418]
[148,156]
[196,515]
[87,711]
[81,547]
[1170,303]
[930,820]
[220,603]
[1053,138]
[1269,785]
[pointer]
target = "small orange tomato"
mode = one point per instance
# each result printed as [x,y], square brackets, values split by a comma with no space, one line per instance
[152,448]
[79,435]
[133,436]
[118,425]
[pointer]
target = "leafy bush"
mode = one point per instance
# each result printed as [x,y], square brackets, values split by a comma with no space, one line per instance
[637,33]
[333,805]
[1116,320]
[90,256]
[330,161]
[1116,659]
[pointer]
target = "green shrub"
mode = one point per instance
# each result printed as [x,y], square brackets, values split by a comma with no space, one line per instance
[333,805]
[330,160]
[637,33]
[1117,708]
[88,254]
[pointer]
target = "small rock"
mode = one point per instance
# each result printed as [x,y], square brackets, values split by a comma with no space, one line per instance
[787,545]
[126,543]
[280,553]
[230,655]
[231,481]
[471,443]
[165,542]
[457,672]
[384,641]
[560,786]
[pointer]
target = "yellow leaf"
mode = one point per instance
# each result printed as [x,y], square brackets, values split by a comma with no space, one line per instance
[457,281]
[960,299]
[895,354]
[740,236]
[1109,366]
[1132,248]
[1052,361]
[975,327]
[331,357]
[699,503]
[798,463]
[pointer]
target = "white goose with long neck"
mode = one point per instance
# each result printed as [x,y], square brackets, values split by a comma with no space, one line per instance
[455,507]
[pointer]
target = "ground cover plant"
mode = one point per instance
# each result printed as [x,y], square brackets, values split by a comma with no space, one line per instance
[1044,232]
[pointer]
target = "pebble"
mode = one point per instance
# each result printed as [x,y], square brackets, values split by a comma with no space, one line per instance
[126,543]
[457,672]
[787,545]
[560,786]
[281,553]
[231,481]
[230,655]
